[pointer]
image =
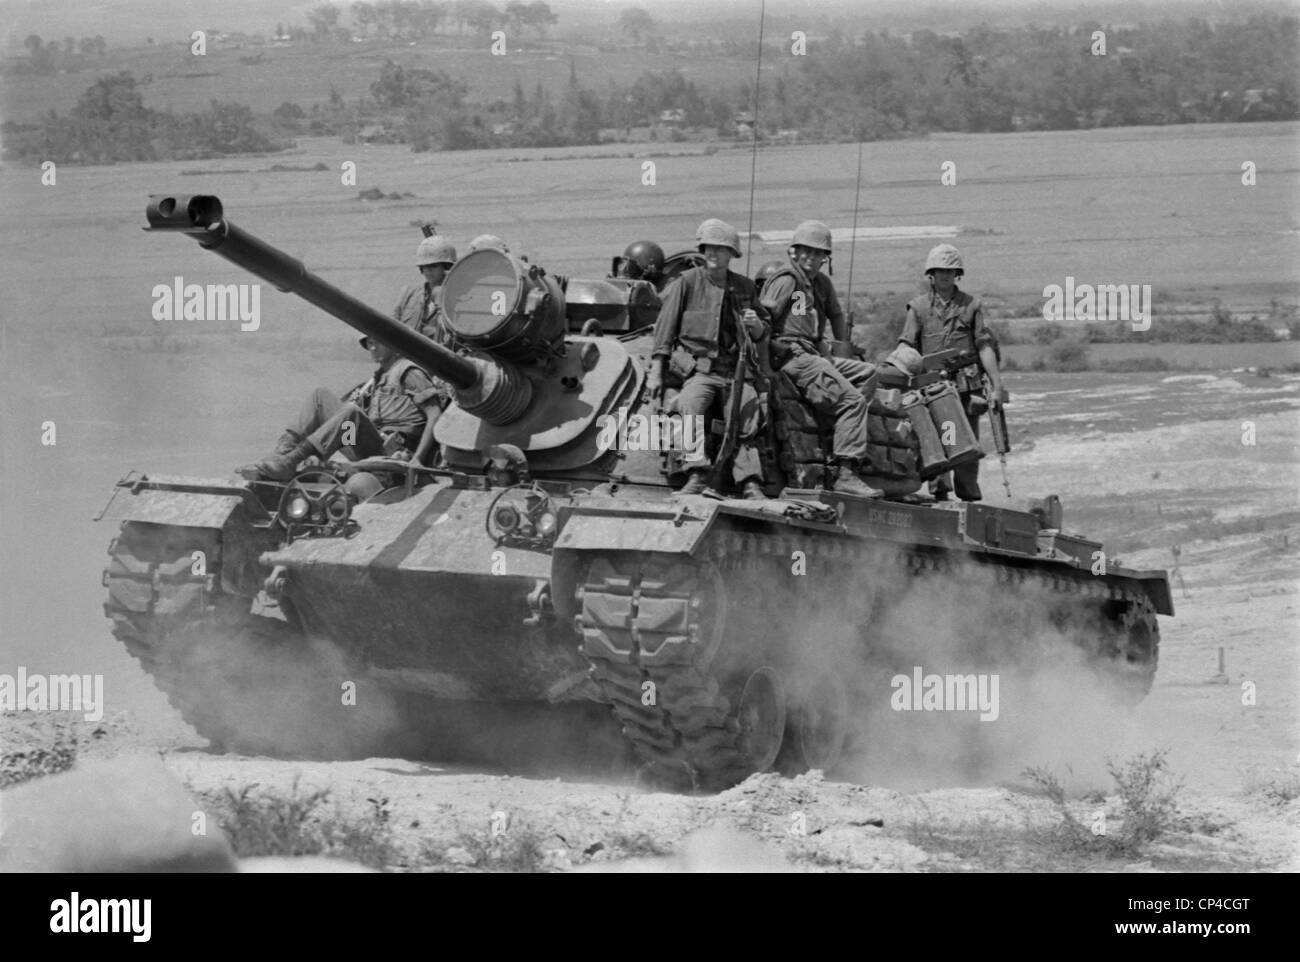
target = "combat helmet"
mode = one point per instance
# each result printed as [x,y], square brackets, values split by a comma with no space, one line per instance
[719,233]
[813,234]
[435,250]
[488,242]
[944,257]
[765,273]
[906,358]
[643,259]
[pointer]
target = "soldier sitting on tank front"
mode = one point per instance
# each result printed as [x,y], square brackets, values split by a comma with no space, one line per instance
[391,414]
[698,325]
[803,303]
[949,318]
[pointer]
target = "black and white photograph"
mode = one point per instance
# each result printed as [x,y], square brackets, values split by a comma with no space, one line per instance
[650,436]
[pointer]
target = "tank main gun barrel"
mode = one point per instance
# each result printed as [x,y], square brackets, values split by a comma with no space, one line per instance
[490,389]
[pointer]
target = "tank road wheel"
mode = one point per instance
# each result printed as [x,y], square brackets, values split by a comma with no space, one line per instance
[761,718]
[817,728]
[247,683]
[669,640]
[1133,648]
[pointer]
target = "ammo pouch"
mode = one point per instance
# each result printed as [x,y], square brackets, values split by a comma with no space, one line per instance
[681,363]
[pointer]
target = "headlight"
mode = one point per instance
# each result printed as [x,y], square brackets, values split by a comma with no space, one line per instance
[337,509]
[506,518]
[298,508]
[546,524]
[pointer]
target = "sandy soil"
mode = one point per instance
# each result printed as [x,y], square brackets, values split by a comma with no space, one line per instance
[1232,743]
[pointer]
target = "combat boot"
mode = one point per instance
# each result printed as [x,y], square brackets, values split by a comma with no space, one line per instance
[698,482]
[848,482]
[280,467]
[751,490]
[289,440]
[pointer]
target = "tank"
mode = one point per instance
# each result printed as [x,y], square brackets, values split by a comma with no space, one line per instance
[546,568]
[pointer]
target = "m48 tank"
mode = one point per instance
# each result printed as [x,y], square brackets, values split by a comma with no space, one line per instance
[546,559]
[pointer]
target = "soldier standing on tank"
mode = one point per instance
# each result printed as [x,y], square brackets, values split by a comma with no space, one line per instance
[391,414]
[802,303]
[947,318]
[418,309]
[698,325]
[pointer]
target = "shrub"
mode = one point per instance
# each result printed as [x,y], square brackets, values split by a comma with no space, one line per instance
[1125,365]
[57,756]
[1069,358]
[268,823]
[1047,332]
[1148,808]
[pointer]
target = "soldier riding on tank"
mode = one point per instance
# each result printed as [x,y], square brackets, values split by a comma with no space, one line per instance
[803,304]
[950,319]
[641,260]
[698,327]
[393,414]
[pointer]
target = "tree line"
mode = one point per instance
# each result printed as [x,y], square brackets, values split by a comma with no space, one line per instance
[407,20]
[873,87]
[110,123]
[47,56]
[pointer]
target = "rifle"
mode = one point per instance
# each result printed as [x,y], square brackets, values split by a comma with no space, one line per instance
[731,431]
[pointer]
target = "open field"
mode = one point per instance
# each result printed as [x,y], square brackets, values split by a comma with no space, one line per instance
[1274,355]
[1033,209]
[1145,462]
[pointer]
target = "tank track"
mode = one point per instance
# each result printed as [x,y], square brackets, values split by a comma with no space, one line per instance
[642,633]
[651,619]
[181,627]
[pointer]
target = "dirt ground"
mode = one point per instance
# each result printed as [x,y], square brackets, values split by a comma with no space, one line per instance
[1231,744]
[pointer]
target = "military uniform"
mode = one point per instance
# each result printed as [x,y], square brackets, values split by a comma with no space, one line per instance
[418,309]
[936,325]
[697,329]
[389,402]
[841,388]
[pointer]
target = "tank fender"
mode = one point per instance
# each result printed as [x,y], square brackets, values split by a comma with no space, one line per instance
[225,508]
[673,529]
[1156,585]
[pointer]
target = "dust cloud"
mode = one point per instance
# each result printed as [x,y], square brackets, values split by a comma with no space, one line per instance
[1050,707]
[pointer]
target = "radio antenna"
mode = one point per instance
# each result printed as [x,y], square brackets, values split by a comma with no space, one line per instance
[853,239]
[753,154]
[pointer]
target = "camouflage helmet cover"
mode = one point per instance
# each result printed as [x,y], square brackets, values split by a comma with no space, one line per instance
[944,257]
[813,234]
[906,358]
[765,273]
[718,233]
[435,250]
[488,242]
